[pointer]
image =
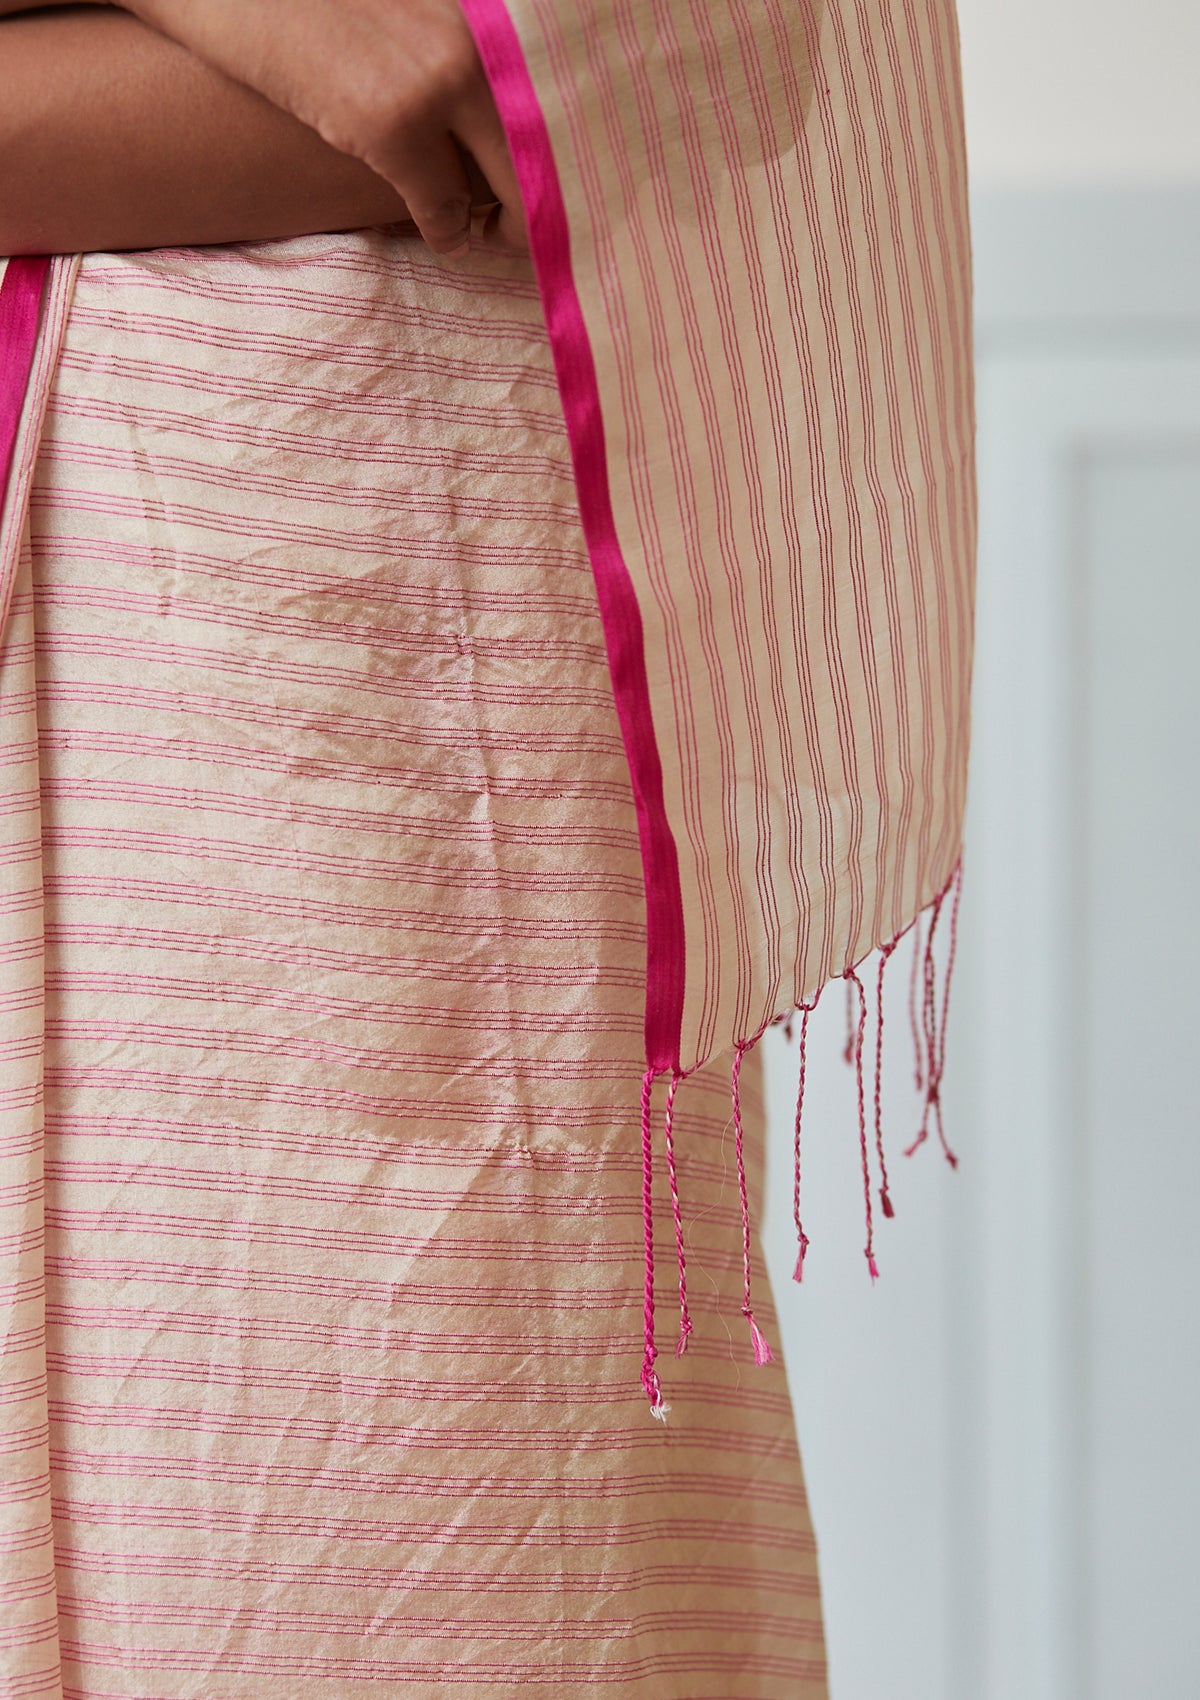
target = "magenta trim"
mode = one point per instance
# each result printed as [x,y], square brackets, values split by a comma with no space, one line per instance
[550,243]
[20,303]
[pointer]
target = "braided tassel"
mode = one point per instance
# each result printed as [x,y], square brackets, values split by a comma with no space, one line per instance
[650,1381]
[885,1197]
[762,1351]
[685,1320]
[852,979]
[802,1242]
[933,1019]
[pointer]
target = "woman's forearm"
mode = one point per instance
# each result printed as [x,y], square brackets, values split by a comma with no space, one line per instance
[113,137]
[8,8]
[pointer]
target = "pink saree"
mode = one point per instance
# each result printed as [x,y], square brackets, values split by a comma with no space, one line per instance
[449,714]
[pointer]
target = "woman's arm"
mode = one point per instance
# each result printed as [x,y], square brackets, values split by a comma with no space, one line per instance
[8,8]
[397,83]
[113,136]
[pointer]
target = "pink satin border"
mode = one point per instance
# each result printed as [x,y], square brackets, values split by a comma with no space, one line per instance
[549,234]
[20,301]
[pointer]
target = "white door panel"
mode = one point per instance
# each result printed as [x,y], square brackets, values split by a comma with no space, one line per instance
[1001,1437]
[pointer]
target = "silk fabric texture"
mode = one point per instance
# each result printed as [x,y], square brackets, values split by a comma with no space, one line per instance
[321,955]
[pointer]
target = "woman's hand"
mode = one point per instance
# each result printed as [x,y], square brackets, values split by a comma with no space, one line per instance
[395,83]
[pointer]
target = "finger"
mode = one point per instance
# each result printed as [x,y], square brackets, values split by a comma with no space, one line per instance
[490,236]
[437,192]
[483,135]
[482,193]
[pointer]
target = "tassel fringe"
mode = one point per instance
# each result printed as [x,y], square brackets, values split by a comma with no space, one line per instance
[685,1321]
[928,1009]
[762,1351]
[914,1021]
[805,1010]
[933,1019]
[860,1034]
[650,1381]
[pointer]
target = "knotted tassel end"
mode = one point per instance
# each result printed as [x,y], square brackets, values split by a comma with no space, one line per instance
[762,1351]
[653,1390]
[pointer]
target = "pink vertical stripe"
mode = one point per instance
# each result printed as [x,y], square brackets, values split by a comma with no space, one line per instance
[20,299]
[549,235]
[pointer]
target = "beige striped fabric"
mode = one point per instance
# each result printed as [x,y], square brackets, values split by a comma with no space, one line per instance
[767,218]
[322,970]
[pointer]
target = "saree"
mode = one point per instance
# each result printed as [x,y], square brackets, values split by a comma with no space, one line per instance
[450,715]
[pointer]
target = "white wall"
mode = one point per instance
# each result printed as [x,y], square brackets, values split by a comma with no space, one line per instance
[1081,91]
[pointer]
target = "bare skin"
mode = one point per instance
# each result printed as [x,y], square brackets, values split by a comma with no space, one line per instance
[114,136]
[396,83]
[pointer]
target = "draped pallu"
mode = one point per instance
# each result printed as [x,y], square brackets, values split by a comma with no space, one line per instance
[750,228]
